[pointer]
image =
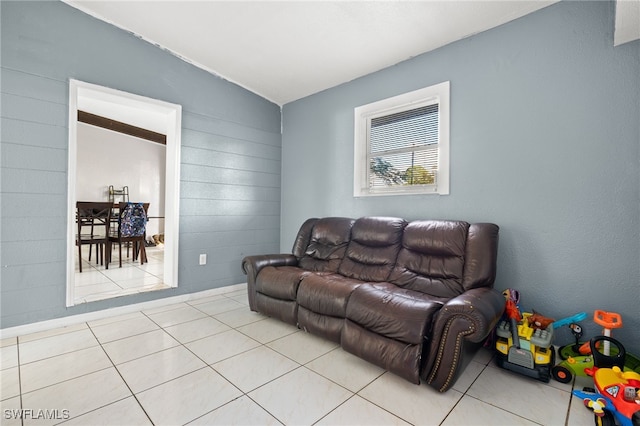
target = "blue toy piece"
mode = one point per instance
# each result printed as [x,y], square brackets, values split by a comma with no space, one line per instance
[566,321]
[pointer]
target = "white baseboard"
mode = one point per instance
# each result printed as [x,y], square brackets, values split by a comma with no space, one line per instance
[36,327]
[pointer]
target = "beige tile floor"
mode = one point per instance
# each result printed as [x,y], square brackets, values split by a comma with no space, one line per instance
[211,361]
[96,282]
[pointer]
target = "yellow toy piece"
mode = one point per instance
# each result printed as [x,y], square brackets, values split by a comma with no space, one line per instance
[597,406]
[531,355]
[608,376]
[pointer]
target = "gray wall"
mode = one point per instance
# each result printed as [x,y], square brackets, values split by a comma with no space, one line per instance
[545,141]
[231,156]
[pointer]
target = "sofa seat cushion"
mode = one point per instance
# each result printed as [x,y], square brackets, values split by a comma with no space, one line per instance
[390,311]
[280,282]
[400,358]
[326,293]
[284,310]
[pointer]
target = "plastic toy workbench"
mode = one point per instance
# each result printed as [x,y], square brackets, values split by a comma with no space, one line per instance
[530,354]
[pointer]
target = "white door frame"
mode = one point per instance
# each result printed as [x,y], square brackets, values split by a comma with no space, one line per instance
[165,118]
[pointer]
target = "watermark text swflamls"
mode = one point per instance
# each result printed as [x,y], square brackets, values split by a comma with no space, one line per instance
[36,414]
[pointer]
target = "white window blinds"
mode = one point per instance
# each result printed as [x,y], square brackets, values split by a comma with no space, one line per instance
[403,148]
[401,144]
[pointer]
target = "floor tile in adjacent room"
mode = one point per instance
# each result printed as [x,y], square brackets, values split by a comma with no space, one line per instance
[115,273]
[91,291]
[90,277]
[145,281]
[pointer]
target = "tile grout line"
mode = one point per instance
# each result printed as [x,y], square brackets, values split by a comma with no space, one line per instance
[206,365]
[353,394]
[115,367]
[464,394]
[138,289]
[19,377]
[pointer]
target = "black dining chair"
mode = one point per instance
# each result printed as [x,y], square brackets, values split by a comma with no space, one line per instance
[93,219]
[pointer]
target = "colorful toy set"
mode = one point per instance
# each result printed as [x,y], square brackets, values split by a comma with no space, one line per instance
[616,374]
[525,349]
[523,345]
[617,398]
[579,359]
[523,341]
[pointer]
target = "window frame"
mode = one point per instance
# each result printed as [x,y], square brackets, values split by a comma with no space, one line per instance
[436,94]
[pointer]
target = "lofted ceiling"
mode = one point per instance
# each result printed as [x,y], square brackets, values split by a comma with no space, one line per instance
[286,50]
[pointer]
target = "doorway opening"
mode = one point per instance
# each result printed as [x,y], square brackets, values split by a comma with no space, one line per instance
[116,141]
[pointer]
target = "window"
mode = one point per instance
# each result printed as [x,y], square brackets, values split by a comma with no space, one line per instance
[402,144]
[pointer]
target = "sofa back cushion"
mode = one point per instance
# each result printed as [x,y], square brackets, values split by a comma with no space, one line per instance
[481,256]
[432,258]
[374,246]
[328,240]
[303,238]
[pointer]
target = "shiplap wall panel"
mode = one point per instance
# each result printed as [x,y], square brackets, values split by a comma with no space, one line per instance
[32,133]
[230,165]
[17,279]
[30,181]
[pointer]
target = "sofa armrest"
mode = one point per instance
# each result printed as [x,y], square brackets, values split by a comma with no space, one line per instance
[251,265]
[463,323]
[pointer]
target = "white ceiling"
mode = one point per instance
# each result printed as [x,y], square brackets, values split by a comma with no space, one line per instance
[286,50]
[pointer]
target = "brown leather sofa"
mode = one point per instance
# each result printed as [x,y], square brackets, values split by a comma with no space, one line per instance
[415,298]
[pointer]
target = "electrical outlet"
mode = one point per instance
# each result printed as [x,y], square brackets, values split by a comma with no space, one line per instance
[203,259]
